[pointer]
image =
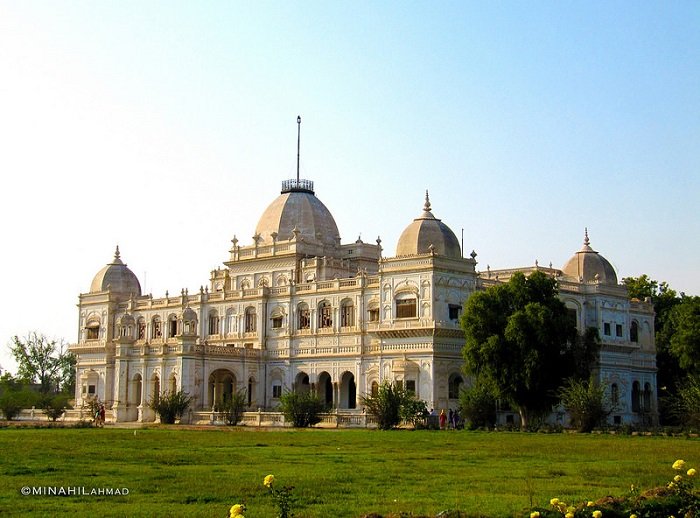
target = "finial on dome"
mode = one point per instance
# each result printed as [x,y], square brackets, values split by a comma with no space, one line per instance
[586,241]
[426,206]
[116,253]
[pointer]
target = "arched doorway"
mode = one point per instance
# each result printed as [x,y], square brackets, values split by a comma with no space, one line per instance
[348,391]
[325,389]
[136,390]
[301,384]
[222,384]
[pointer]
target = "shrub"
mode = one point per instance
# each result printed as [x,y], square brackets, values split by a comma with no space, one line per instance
[386,405]
[413,410]
[478,406]
[170,405]
[586,403]
[232,407]
[11,405]
[301,409]
[55,406]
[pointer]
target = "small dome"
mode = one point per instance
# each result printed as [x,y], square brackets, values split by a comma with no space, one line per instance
[297,210]
[189,315]
[117,278]
[587,265]
[428,233]
[127,319]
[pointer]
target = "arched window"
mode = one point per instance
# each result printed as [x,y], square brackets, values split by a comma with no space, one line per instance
[614,394]
[636,395]
[375,389]
[251,324]
[634,332]
[304,316]
[172,326]
[406,306]
[213,322]
[347,314]
[454,384]
[325,315]
[277,318]
[646,398]
[92,329]
[157,328]
[141,325]
[373,312]
[229,322]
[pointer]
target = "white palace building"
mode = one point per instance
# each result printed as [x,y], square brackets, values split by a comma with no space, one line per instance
[297,309]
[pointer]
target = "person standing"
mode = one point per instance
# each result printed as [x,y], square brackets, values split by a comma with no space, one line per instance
[443,419]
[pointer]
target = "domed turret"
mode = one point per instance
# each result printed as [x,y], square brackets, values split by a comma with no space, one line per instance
[116,277]
[587,265]
[425,232]
[297,211]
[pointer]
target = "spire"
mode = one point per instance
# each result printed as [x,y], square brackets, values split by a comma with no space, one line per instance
[117,259]
[298,143]
[586,242]
[426,206]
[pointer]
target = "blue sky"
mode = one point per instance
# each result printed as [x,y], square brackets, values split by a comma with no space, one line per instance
[167,127]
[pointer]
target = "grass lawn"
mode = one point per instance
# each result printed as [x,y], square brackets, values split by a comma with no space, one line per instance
[182,472]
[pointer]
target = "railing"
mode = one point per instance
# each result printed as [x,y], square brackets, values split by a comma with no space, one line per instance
[337,419]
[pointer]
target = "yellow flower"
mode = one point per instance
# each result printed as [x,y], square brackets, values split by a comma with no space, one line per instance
[679,464]
[633,516]
[554,501]
[677,478]
[597,514]
[569,515]
[571,509]
[237,511]
[535,514]
[590,503]
[691,472]
[269,480]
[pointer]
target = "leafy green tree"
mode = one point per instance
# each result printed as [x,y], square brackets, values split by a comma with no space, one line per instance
[45,362]
[302,409]
[232,407]
[521,339]
[682,330]
[413,410]
[385,406]
[56,405]
[16,395]
[170,405]
[586,402]
[478,405]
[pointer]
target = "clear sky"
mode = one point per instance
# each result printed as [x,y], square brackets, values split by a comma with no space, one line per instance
[167,127]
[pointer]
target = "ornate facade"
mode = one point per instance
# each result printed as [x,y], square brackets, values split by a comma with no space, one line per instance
[297,309]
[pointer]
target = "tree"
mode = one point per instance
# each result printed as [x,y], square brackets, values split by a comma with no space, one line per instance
[170,405]
[413,410]
[232,407]
[45,362]
[682,330]
[385,405]
[302,409]
[522,341]
[478,405]
[56,405]
[586,402]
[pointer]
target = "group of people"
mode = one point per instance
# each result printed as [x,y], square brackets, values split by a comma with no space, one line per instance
[449,420]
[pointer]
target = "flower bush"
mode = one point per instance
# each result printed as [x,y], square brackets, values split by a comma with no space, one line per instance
[678,498]
[282,496]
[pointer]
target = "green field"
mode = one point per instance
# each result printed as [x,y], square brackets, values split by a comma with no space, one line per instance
[180,472]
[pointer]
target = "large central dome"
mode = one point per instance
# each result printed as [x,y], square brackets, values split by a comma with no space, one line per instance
[297,209]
